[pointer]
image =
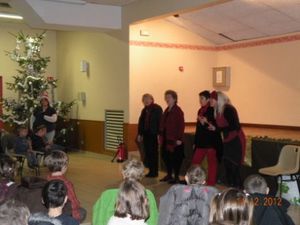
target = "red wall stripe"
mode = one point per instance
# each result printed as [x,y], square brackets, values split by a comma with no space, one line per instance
[248,44]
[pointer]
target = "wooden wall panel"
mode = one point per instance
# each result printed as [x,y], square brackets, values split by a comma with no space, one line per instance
[130,133]
[91,135]
[273,131]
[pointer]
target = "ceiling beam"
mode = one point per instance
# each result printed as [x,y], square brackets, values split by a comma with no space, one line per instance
[144,9]
[60,15]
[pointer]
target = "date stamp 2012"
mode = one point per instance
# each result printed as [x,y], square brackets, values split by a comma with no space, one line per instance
[267,201]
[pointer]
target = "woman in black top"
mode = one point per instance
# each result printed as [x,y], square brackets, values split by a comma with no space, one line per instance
[46,115]
[148,131]
[234,141]
[207,142]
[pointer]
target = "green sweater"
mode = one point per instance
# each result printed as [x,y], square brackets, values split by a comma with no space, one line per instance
[104,208]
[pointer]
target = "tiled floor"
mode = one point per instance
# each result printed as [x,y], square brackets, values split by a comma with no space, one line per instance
[93,173]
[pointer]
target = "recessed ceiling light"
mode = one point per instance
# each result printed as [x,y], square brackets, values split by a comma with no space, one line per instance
[10,16]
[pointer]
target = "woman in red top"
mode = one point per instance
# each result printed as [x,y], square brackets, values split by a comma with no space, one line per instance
[234,142]
[171,131]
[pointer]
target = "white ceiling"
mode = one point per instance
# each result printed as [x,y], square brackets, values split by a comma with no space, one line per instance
[111,2]
[242,20]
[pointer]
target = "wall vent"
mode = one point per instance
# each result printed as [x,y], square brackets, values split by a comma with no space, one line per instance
[114,123]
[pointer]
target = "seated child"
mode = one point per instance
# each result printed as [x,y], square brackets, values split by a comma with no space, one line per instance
[54,197]
[132,206]
[22,146]
[39,141]
[104,208]
[8,188]
[13,212]
[232,207]
[187,204]
[57,163]
[268,209]
[23,193]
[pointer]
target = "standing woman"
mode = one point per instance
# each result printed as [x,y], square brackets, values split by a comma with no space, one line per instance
[148,130]
[46,115]
[172,131]
[207,142]
[234,142]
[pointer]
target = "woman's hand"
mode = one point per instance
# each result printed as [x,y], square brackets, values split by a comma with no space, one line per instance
[178,142]
[139,138]
[202,120]
[211,127]
[159,140]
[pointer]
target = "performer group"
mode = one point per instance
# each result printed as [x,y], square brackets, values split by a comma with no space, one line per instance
[218,137]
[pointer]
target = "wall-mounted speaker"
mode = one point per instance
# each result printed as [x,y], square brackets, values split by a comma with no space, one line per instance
[84,66]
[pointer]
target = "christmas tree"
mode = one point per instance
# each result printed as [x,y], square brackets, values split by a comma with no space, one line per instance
[30,81]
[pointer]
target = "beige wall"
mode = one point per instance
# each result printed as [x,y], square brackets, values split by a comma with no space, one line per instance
[8,43]
[265,83]
[265,80]
[106,84]
[155,70]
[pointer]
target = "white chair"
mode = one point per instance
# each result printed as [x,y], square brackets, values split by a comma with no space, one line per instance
[288,165]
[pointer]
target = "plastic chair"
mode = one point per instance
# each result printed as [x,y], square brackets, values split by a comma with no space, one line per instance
[288,164]
[21,160]
[7,145]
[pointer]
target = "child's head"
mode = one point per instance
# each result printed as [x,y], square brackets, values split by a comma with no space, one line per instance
[132,201]
[133,169]
[256,184]
[204,97]
[57,161]
[195,175]
[23,131]
[7,167]
[41,130]
[13,212]
[233,206]
[54,194]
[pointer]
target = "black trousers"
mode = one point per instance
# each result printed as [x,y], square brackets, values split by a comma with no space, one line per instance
[232,157]
[173,160]
[233,174]
[151,152]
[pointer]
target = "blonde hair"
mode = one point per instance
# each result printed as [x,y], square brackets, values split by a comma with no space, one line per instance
[233,206]
[13,212]
[196,175]
[256,184]
[222,101]
[133,169]
[132,201]
[56,161]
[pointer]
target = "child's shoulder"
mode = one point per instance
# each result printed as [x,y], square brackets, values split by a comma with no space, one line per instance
[109,193]
[61,177]
[68,220]
[179,188]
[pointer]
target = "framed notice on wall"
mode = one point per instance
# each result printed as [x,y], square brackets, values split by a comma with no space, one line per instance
[221,77]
